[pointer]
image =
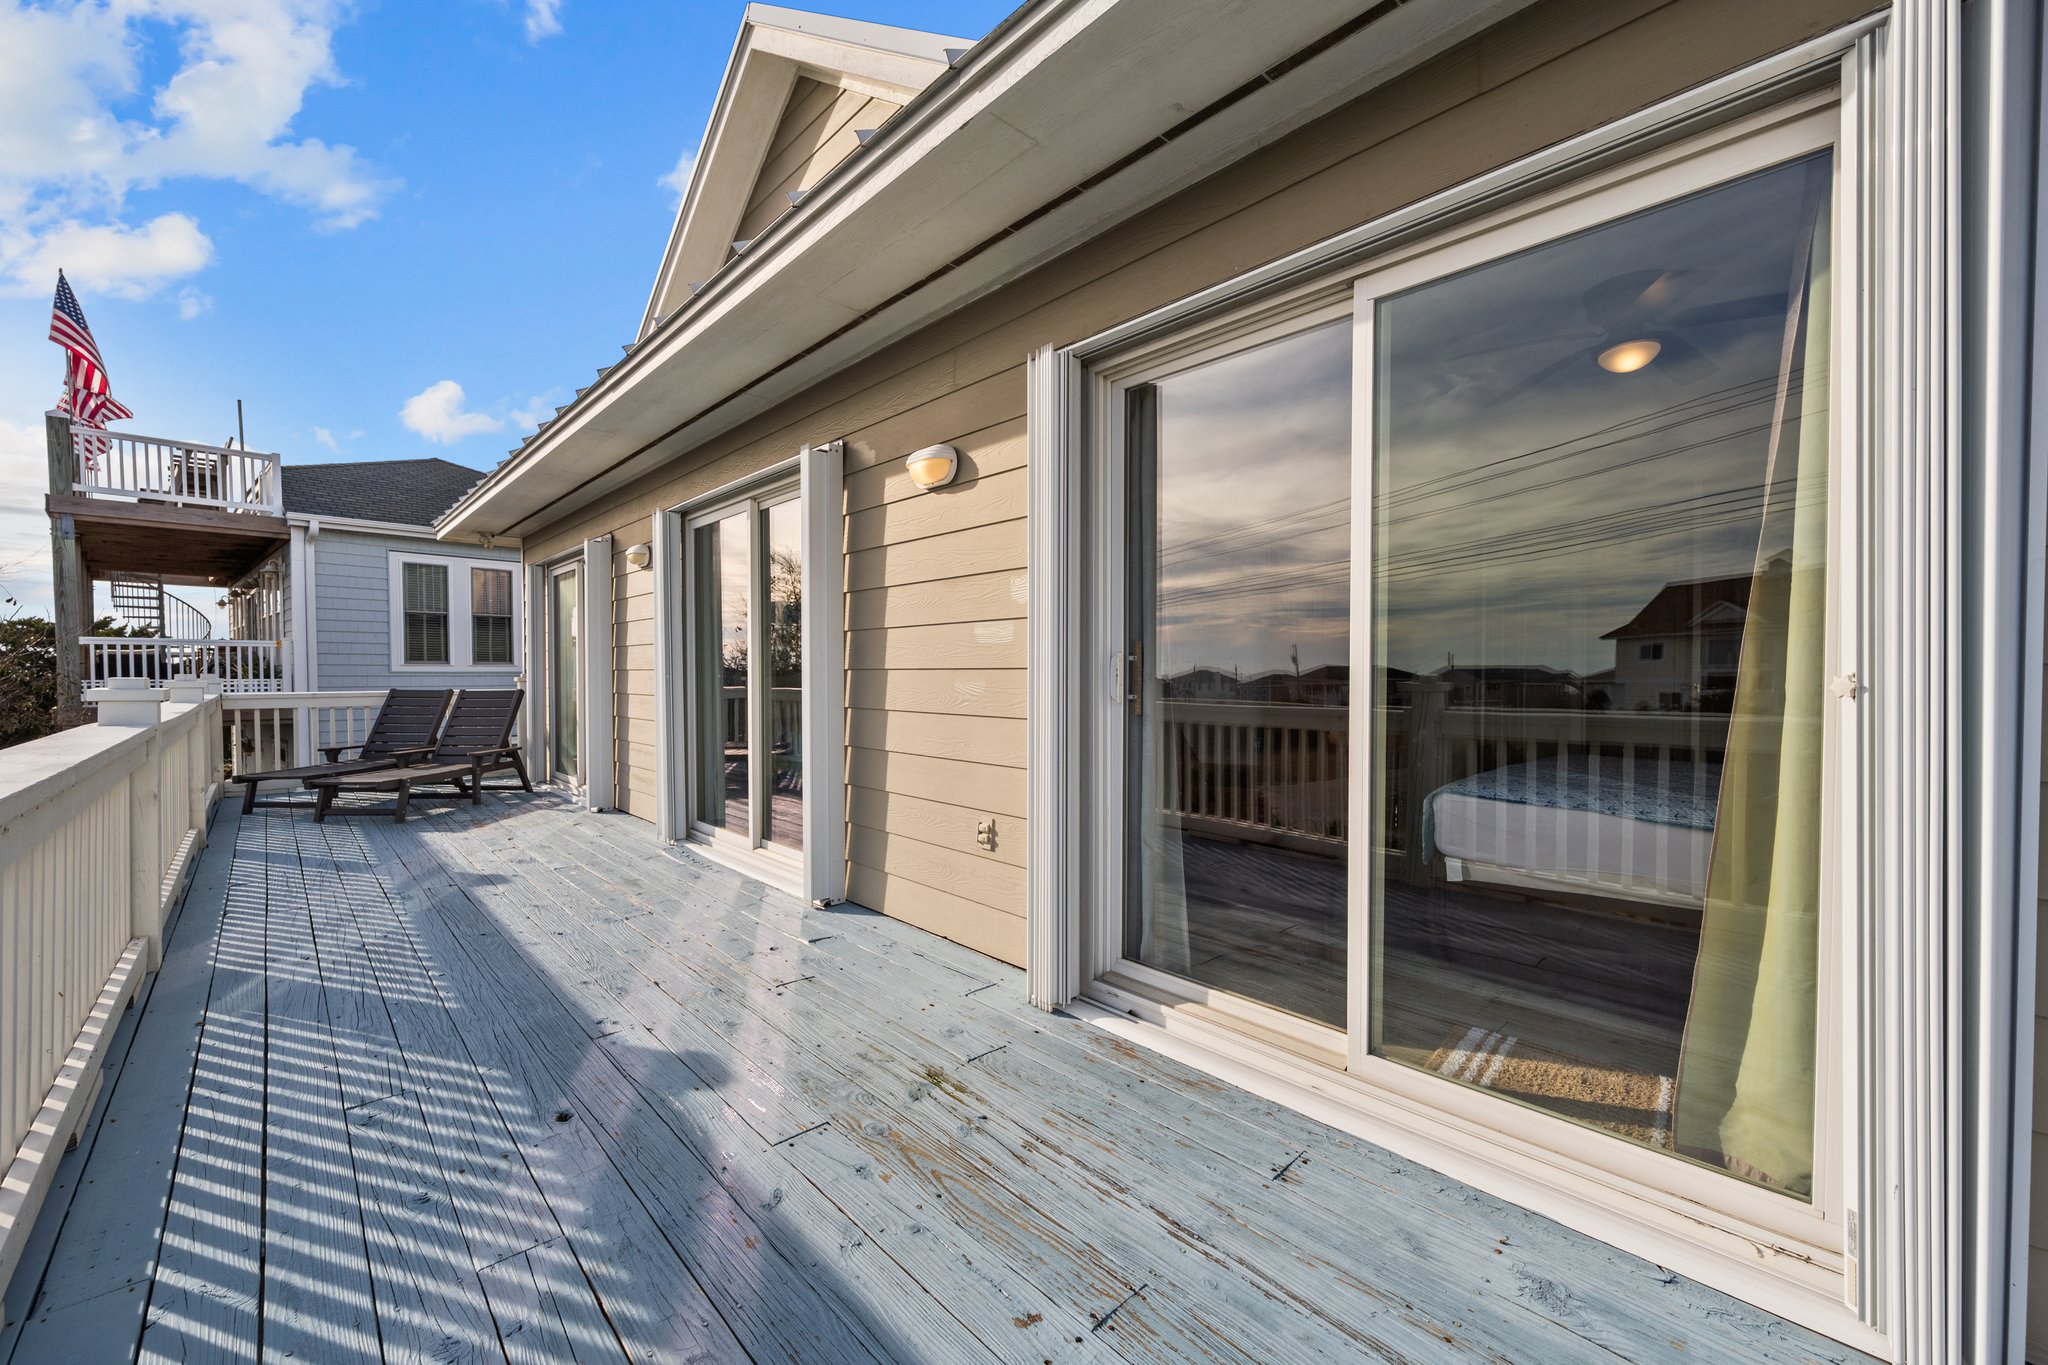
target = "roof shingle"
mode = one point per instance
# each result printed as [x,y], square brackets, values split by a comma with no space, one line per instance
[406,492]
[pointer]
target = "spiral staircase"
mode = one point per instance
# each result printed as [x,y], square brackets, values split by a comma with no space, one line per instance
[143,605]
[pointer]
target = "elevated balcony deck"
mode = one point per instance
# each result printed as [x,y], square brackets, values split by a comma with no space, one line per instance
[511,1081]
[181,511]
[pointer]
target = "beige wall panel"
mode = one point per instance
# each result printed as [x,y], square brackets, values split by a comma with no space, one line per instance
[991,450]
[975,550]
[978,739]
[999,935]
[982,786]
[920,562]
[965,692]
[971,644]
[978,502]
[1000,596]
[935,822]
[977,876]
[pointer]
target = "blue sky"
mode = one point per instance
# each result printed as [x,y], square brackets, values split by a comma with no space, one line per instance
[336,211]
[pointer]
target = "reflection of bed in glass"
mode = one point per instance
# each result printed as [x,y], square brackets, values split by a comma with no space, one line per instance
[1639,828]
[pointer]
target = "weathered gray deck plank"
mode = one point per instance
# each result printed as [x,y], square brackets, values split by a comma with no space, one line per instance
[1496,1242]
[776,1283]
[1016,1194]
[989,1299]
[319,1302]
[205,1297]
[989,1182]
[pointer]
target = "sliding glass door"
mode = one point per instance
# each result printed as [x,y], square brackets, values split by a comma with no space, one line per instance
[744,563]
[1471,636]
[565,670]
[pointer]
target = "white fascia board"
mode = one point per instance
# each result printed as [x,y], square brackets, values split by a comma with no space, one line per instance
[387,528]
[951,171]
[907,42]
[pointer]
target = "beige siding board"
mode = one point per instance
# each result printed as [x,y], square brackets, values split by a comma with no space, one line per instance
[936,822]
[828,141]
[964,692]
[985,501]
[977,739]
[956,554]
[1000,596]
[970,644]
[954,412]
[994,449]
[999,935]
[976,876]
[999,791]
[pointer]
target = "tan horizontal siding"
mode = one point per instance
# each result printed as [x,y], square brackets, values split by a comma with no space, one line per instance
[926,571]
[936,822]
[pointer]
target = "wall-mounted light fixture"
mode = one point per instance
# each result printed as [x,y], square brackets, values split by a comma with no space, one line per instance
[639,556]
[932,467]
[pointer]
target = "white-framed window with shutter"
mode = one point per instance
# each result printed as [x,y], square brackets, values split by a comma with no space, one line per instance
[490,615]
[450,612]
[426,613]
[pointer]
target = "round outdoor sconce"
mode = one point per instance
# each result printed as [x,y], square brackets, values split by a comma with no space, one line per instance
[639,556]
[932,467]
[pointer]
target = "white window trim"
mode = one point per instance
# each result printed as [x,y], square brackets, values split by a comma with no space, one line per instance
[818,872]
[1884,1286]
[461,634]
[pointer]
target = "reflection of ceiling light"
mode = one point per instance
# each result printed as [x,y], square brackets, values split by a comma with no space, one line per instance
[1629,356]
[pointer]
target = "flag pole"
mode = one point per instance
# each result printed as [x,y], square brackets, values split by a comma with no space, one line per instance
[241,437]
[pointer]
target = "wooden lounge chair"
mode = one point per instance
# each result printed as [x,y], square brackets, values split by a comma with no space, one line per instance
[406,728]
[476,741]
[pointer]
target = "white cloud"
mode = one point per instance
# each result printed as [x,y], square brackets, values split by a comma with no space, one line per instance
[678,180]
[538,408]
[72,150]
[191,303]
[131,263]
[326,438]
[543,19]
[436,412]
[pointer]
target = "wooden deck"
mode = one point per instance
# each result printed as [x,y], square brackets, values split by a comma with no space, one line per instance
[514,1083]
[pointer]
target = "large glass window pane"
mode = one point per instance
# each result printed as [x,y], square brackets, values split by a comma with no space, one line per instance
[784,760]
[723,592]
[1599,574]
[426,613]
[490,615]
[1240,561]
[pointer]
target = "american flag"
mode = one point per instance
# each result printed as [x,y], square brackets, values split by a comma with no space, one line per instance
[86,396]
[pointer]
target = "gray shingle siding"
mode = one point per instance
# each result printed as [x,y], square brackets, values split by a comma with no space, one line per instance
[352,615]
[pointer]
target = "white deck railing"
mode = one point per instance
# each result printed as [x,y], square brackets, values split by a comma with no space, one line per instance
[183,473]
[240,665]
[268,731]
[99,828]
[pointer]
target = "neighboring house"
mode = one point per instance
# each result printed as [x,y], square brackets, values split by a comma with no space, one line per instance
[1684,648]
[1357,334]
[365,596]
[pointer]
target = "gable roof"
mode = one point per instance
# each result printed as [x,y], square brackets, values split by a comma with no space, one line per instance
[801,93]
[405,492]
[1678,607]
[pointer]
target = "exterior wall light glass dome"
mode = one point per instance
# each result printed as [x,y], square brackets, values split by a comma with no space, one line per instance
[932,467]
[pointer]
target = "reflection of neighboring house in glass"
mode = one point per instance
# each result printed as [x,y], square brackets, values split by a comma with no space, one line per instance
[1200,684]
[1681,650]
[1512,686]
